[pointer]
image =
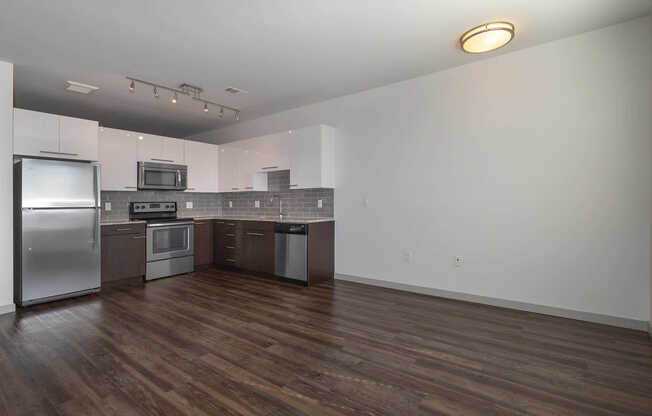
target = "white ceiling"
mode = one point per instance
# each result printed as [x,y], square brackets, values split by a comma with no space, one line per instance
[286,53]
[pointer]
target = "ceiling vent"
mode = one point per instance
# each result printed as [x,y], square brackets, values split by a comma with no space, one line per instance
[81,88]
[234,91]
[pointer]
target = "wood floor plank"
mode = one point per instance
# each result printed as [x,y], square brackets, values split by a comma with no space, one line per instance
[221,342]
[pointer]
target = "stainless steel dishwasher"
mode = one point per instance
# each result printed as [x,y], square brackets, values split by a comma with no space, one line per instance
[291,251]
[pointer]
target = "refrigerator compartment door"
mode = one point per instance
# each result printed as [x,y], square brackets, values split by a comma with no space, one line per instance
[58,184]
[60,252]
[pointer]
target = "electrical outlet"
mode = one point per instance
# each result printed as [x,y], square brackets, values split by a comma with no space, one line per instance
[320,204]
[256,204]
[189,204]
[107,206]
[408,256]
[459,261]
[230,204]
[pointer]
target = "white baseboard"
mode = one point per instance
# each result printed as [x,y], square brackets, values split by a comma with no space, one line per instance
[7,308]
[523,306]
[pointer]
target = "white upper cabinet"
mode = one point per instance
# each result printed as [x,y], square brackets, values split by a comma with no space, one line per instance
[202,161]
[35,133]
[160,149]
[228,168]
[78,138]
[311,157]
[118,151]
[49,135]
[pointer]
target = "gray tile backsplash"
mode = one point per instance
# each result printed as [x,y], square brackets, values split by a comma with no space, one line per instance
[301,203]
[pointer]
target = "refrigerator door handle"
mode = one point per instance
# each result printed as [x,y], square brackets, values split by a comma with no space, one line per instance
[96,177]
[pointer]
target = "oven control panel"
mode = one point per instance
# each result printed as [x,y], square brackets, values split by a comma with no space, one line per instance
[146,207]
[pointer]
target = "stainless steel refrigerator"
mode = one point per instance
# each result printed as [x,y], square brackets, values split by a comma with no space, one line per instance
[56,229]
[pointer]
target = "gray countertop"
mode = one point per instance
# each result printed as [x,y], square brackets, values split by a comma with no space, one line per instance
[266,219]
[227,218]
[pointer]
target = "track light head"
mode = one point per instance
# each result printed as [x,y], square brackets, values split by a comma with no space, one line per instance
[174,98]
[237,116]
[205,108]
[156,95]
[221,113]
[132,86]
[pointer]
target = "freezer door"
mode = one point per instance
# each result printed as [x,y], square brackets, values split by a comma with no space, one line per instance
[60,252]
[58,184]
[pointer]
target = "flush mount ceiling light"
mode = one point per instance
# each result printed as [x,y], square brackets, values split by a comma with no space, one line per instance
[487,37]
[81,88]
[184,89]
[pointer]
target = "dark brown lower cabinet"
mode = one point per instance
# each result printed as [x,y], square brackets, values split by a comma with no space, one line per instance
[258,246]
[123,252]
[203,242]
[227,241]
[251,245]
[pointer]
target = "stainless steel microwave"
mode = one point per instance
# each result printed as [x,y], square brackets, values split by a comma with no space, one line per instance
[162,176]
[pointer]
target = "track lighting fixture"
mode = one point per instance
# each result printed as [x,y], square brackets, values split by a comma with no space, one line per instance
[185,89]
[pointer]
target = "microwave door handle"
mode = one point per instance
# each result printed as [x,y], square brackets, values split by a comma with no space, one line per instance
[178,178]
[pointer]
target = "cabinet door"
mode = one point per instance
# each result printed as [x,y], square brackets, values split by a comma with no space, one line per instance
[35,133]
[258,248]
[150,148]
[173,150]
[123,256]
[118,154]
[305,158]
[78,138]
[228,169]
[202,161]
[204,242]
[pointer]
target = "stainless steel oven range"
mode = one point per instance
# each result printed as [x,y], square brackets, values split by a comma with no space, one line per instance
[170,248]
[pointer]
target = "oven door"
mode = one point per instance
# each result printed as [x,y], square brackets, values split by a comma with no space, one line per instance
[169,240]
[162,176]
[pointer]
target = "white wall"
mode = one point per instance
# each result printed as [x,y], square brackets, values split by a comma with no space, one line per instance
[6,190]
[535,166]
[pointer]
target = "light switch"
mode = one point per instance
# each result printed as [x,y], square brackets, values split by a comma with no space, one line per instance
[257,204]
[189,204]
[107,206]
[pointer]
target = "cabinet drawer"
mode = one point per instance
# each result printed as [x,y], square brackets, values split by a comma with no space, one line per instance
[116,229]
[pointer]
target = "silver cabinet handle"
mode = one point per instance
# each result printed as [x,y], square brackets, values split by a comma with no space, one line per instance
[270,167]
[294,185]
[234,189]
[229,247]
[130,187]
[230,235]
[178,177]
[138,237]
[200,223]
[163,160]
[231,260]
[230,224]
[123,229]
[59,153]
[249,187]
[220,222]
[256,234]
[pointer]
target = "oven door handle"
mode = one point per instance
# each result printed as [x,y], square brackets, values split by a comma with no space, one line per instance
[170,224]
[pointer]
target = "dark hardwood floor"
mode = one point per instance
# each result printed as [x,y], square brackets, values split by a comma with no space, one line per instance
[222,343]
